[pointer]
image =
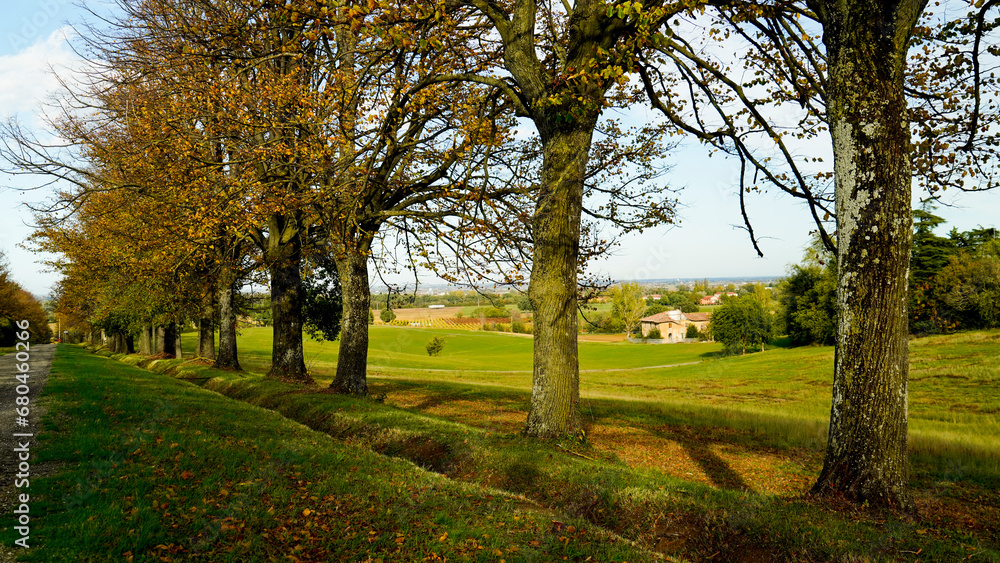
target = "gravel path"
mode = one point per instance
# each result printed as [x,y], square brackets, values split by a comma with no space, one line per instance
[40,361]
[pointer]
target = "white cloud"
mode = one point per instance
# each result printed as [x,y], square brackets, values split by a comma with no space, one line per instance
[26,77]
[26,82]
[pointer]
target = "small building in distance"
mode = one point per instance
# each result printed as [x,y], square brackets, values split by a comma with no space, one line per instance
[716,299]
[673,325]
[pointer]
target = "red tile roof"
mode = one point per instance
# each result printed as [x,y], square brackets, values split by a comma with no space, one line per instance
[663,317]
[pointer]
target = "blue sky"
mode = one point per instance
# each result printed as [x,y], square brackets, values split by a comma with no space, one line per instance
[704,243]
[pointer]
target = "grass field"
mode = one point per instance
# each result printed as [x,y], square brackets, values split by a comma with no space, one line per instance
[700,462]
[142,467]
[954,387]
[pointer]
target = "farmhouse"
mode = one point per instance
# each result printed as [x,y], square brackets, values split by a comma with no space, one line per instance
[673,325]
[715,299]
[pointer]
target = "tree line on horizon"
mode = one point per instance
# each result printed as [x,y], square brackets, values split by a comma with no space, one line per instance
[211,144]
[16,305]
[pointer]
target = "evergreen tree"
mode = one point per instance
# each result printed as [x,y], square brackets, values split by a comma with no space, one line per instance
[930,252]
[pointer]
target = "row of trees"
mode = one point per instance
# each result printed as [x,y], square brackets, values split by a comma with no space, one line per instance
[955,280]
[219,139]
[17,305]
[953,285]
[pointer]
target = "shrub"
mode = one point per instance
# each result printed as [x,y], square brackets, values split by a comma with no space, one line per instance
[655,334]
[491,312]
[692,332]
[519,327]
[371,316]
[387,315]
[434,346]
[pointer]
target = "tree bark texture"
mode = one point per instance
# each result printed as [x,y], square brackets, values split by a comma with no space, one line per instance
[866,456]
[287,357]
[206,329]
[227,357]
[146,339]
[555,390]
[352,361]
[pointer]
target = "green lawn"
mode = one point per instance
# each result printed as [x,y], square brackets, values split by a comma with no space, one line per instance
[465,350]
[143,467]
[702,462]
[954,388]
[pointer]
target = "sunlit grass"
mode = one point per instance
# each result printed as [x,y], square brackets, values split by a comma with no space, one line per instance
[783,393]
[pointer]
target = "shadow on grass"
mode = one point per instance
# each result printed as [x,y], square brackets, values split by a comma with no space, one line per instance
[660,422]
[698,449]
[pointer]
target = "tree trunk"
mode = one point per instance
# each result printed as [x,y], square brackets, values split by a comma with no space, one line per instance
[146,339]
[866,456]
[115,343]
[129,343]
[352,361]
[178,352]
[206,329]
[555,392]
[227,357]
[168,338]
[287,357]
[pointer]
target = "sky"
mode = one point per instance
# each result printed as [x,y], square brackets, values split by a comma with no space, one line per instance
[706,241]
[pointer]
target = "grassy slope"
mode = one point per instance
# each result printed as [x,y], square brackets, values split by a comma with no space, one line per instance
[954,389]
[744,424]
[148,468]
[403,347]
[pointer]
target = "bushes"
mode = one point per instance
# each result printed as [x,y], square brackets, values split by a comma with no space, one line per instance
[491,312]
[654,334]
[387,316]
[604,323]
[434,346]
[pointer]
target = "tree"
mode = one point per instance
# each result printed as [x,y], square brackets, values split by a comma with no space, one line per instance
[963,294]
[930,251]
[740,323]
[434,346]
[854,85]
[628,305]
[387,315]
[808,298]
[18,305]
[867,44]
[809,304]
[560,67]
[322,307]
[411,156]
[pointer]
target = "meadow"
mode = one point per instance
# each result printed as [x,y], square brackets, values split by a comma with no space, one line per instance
[707,460]
[783,393]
